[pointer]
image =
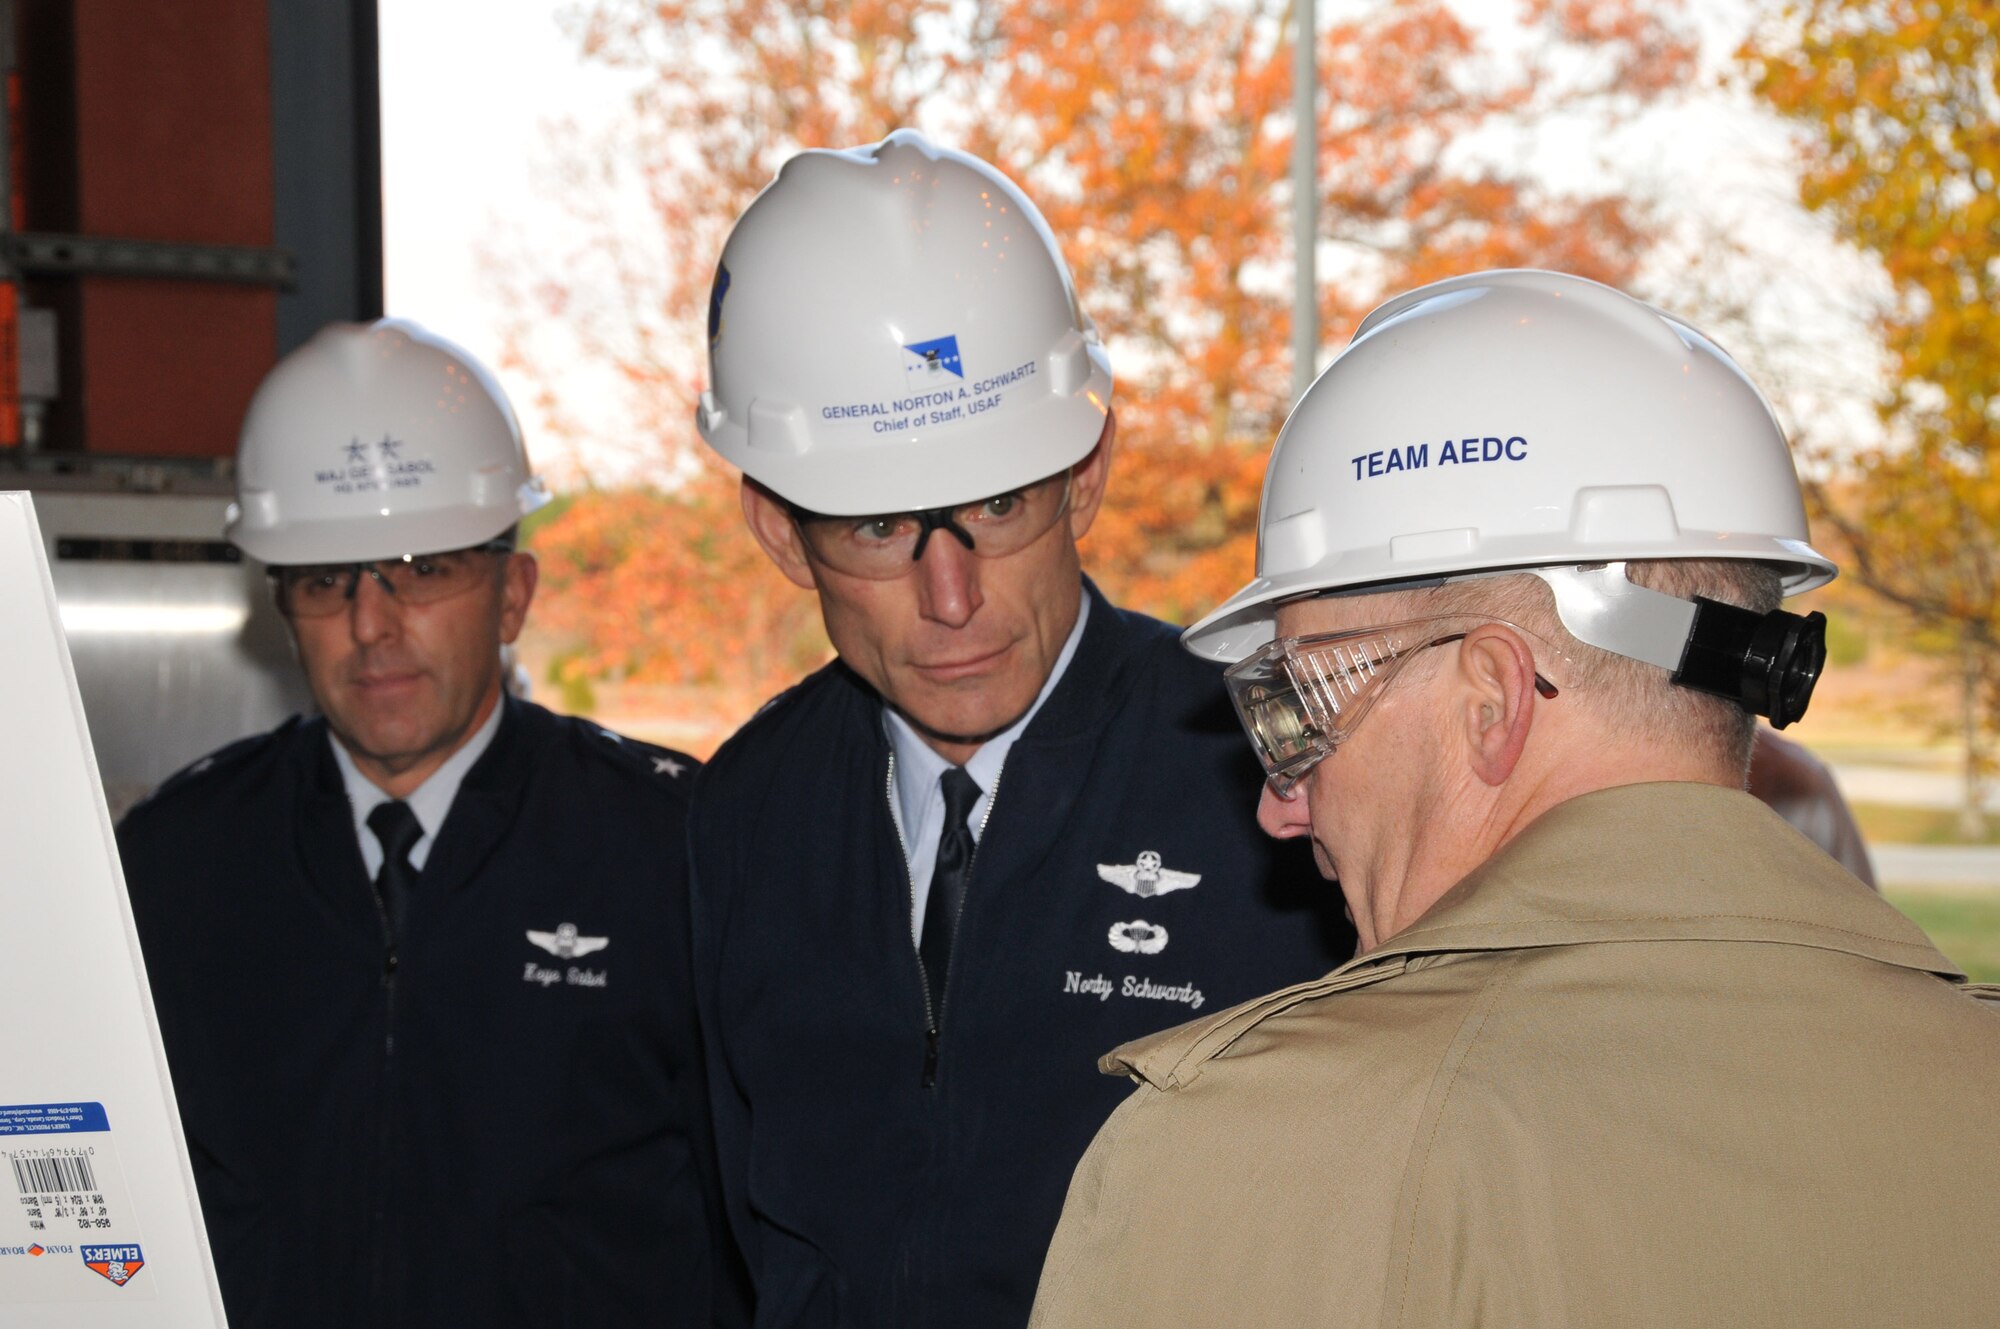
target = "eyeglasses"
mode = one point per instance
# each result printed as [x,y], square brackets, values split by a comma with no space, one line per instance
[315,590]
[1301,697]
[888,545]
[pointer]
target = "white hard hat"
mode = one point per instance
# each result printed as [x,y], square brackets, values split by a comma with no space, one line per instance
[1520,419]
[375,441]
[892,327]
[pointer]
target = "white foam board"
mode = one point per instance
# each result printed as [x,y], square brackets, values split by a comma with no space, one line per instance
[101,1225]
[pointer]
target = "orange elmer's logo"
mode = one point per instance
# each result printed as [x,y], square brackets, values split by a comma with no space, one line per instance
[120,1264]
[36,1250]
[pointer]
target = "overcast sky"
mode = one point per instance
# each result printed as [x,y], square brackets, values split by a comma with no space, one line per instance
[469,88]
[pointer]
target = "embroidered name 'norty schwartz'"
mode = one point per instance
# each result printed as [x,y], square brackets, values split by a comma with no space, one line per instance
[1455,452]
[1098,986]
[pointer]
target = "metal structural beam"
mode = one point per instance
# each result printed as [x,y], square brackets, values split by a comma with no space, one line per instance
[9,57]
[327,159]
[1305,198]
[98,256]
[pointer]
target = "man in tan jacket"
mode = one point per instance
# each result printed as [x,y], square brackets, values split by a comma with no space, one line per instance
[1620,1047]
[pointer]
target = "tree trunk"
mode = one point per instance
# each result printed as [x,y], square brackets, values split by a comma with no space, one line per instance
[1972,816]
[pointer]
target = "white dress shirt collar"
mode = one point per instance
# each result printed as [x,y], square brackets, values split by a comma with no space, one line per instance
[918,806]
[431,800]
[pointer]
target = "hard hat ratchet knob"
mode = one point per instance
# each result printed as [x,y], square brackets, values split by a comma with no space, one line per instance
[1768,663]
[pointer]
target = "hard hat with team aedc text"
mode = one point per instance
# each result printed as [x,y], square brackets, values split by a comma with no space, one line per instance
[1539,422]
[1516,419]
[376,441]
[892,327]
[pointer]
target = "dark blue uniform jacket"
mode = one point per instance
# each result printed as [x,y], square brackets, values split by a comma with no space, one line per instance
[873,1180]
[483,1129]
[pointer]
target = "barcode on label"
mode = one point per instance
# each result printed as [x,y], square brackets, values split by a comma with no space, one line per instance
[52,1176]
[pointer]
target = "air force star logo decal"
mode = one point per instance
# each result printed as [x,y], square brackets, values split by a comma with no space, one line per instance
[1146,878]
[566,943]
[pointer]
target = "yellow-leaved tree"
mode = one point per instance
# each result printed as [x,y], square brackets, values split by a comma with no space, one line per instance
[1898,115]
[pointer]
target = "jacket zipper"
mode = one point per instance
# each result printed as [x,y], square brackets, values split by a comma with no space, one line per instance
[390,960]
[389,963]
[934,1019]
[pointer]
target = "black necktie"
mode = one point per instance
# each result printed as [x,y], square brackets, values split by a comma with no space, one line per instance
[954,865]
[397,830]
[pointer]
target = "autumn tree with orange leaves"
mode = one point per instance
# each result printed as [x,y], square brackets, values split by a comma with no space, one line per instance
[1155,137]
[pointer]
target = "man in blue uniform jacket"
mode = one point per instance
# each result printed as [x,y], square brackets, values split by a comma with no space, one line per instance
[421,961]
[1010,826]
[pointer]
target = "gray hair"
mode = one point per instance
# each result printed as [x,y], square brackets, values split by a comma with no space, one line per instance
[1637,701]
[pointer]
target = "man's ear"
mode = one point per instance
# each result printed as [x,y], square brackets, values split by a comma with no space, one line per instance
[517,591]
[1088,477]
[771,523]
[1498,673]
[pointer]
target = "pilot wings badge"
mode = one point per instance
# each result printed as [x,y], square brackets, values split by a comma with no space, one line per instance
[1146,877]
[566,943]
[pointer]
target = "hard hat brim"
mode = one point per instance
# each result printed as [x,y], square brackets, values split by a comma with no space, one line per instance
[1247,621]
[342,540]
[912,472]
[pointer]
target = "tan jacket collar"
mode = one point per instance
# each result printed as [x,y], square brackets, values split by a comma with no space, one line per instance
[1654,862]
[1646,862]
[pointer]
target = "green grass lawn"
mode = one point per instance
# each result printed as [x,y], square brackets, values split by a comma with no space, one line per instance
[1964,925]
[1889,823]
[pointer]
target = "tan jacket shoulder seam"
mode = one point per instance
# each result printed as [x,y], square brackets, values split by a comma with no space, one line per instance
[1448,928]
[1219,1038]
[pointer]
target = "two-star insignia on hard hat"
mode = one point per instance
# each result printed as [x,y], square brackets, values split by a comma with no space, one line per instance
[1146,878]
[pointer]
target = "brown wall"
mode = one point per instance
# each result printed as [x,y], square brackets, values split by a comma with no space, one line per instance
[166,109]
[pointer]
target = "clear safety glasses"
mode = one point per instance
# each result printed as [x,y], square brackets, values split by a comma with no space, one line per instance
[888,545]
[315,590]
[1301,697]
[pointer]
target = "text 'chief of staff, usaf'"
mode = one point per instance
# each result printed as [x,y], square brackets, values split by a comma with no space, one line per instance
[1011,826]
[1621,1047]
